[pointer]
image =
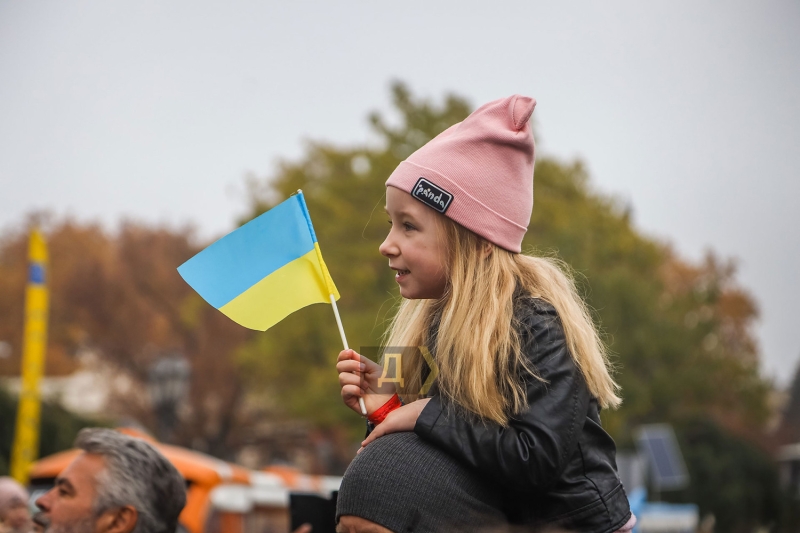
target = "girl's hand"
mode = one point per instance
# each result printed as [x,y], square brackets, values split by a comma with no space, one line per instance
[358,377]
[401,419]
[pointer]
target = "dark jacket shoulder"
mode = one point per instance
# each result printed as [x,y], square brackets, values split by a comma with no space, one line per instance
[554,459]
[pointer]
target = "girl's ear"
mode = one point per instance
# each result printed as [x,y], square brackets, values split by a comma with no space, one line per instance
[486,249]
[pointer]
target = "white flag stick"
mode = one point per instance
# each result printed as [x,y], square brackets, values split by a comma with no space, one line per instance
[346,347]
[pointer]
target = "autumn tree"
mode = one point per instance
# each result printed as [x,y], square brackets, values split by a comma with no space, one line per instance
[120,297]
[295,360]
[681,334]
[788,431]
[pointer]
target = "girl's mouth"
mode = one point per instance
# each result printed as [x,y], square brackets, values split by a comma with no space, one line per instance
[401,274]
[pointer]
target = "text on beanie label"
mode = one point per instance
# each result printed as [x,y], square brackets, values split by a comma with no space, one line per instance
[431,195]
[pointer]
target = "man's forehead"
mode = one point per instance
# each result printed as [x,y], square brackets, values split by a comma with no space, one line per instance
[82,472]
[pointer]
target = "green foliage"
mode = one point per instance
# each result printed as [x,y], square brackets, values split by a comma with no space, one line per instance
[344,191]
[58,428]
[680,334]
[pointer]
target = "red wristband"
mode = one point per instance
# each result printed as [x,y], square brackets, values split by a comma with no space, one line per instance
[380,414]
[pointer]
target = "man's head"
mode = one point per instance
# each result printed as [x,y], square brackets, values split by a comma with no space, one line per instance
[401,483]
[119,484]
[14,514]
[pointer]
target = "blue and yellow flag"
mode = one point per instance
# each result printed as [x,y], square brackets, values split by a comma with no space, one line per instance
[267,269]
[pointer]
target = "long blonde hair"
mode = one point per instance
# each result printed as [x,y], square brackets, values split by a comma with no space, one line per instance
[477,346]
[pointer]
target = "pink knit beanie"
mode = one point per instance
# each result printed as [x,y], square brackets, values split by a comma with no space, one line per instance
[479,172]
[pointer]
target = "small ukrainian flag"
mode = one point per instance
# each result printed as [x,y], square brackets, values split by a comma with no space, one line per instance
[265,270]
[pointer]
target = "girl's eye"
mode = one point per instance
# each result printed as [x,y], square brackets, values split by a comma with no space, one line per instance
[408,226]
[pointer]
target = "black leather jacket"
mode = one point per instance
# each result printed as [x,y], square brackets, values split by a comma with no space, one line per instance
[554,462]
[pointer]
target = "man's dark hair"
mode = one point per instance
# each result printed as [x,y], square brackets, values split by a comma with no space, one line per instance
[138,475]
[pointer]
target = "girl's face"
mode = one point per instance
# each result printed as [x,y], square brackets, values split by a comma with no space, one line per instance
[414,247]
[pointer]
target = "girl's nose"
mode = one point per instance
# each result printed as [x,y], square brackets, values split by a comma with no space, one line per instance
[387,247]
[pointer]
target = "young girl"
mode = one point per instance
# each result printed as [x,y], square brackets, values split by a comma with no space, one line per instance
[522,373]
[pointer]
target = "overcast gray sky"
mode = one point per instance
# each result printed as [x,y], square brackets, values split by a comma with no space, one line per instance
[690,111]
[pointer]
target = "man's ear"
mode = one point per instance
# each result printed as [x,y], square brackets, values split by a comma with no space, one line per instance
[120,520]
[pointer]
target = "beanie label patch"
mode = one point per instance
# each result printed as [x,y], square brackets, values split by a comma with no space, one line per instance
[431,195]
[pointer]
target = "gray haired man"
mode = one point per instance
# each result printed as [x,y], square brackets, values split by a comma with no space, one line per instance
[119,484]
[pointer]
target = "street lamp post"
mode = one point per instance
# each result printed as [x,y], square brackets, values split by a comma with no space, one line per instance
[168,384]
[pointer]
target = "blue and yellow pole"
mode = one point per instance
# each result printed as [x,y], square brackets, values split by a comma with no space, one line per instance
[26,436]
